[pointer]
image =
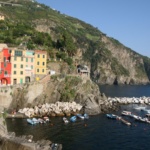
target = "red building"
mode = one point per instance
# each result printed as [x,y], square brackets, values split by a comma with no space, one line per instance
[5,66]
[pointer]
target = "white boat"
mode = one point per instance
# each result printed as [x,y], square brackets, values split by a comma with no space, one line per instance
[35,120]
[140,108]
[65,120]
[46,119]
[126,113]
[80,116]
[41,120]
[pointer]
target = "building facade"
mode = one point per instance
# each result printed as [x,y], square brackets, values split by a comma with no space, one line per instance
[18,62]
[29,66]
[19,66]
[5,67]
[40,63]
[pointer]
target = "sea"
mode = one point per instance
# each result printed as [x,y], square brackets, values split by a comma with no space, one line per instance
[98,132]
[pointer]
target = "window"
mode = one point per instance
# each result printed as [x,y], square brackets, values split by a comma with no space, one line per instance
[26,59]
[21,66]
[37,70]
[21,58]
[18,53]
[42,70]
[15,72]
[31,59]
[38,63]
[4,59]
[43,56]
[38,56]
[15,65]
[5,73]
[15,58]
[31,66]
[43,63]
[26,65]
[21,72]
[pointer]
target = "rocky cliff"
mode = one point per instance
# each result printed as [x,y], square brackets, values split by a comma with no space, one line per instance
[59,88]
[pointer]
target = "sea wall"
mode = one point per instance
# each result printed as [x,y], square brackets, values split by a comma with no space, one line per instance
[130,100]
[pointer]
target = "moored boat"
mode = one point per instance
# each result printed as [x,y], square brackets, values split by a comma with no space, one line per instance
[126,113]
[86,116]
[30,121]
[41,120]
[125,122]
[46,118]
[73,118]
[111,116]
[140,108]
[80,116]
[35,120]
[65,120]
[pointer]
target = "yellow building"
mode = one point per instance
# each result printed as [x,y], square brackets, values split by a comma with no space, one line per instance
[40,63]
[18,64]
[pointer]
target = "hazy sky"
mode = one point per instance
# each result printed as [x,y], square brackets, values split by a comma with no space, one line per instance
[128,21]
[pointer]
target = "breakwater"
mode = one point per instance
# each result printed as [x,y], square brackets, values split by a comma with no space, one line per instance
[53,109]
[129,100]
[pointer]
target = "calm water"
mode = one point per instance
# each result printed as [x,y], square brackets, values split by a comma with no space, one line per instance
[97,133]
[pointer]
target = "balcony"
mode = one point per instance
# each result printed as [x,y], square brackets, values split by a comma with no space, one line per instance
[7,75]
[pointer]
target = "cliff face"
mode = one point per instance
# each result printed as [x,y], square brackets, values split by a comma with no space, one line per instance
[130,62]
[60,88]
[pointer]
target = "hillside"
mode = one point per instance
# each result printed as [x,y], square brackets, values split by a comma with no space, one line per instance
[36,26]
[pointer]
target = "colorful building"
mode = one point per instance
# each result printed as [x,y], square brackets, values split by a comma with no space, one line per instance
[29,67]
[5,66]
[40,63]
[19,66]
[18,62]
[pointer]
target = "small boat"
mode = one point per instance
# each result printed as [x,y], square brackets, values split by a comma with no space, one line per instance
[35,120]
[41,120]
[80,116]
[73,118]
[125,122]
[86,116]
[134,116]
[111,116]
[65,120]
[126,113]
[30,121]
[140,108]
[46,119]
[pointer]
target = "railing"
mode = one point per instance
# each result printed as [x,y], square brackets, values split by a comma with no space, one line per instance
[7,75]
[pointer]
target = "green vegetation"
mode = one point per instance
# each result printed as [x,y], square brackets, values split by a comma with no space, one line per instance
[69,91]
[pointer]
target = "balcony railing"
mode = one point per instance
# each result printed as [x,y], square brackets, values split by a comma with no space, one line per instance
[7,75]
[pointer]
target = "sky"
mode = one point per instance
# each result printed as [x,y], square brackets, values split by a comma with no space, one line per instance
[127,21]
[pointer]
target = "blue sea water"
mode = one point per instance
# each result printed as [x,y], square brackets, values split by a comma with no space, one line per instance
[97,133]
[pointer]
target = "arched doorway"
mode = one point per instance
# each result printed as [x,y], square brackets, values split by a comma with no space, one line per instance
[27,79]
[4,81]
